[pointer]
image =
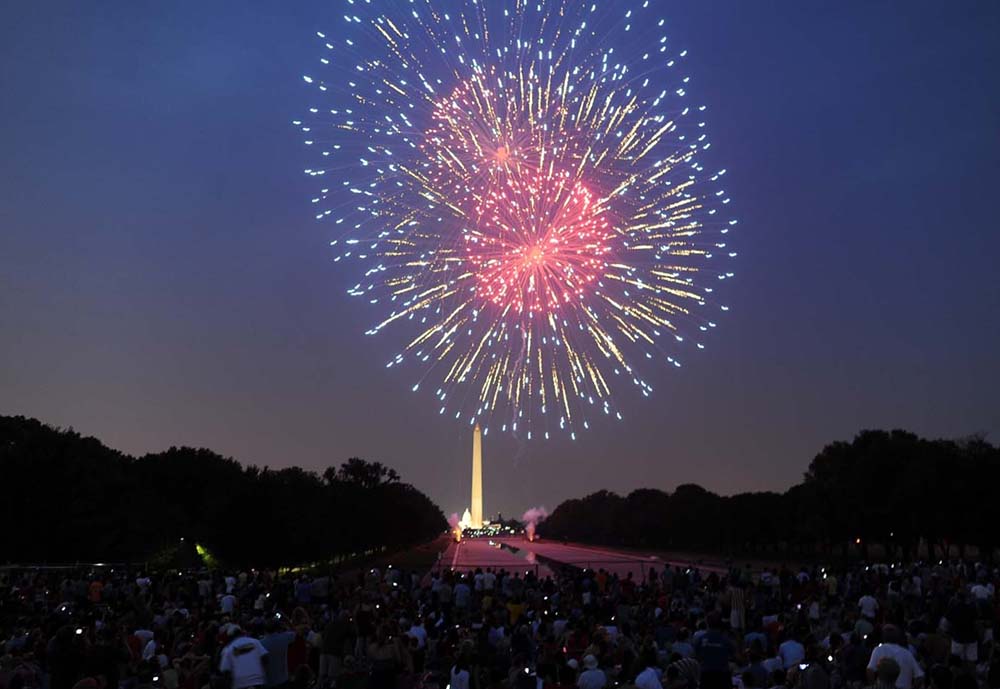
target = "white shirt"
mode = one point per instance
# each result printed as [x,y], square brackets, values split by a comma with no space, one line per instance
[909,669]
[869,606]
[592,679]
[495,635]
[242,658]
[460,679]
[149,650]
[648,679]
[463,594]
[228,604]
[420,634]
[982,592]
[791,653]
[772,664]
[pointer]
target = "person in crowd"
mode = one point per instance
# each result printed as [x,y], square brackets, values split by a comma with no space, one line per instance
[961,619]
[714,650]
[791,651]
[276,641]
[592,676]
[243,659]
[388,628]
[893,646]
[886,673]
[649,676]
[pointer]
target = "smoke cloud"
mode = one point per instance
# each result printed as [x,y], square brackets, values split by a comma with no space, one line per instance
[454,521]
[531,519]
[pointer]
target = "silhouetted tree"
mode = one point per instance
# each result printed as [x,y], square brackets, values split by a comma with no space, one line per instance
[69,498]
[886,487]
[366,474]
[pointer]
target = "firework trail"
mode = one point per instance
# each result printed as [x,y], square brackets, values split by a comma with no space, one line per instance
[521,185]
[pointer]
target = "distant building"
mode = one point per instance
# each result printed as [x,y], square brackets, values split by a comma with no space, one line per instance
[473,517]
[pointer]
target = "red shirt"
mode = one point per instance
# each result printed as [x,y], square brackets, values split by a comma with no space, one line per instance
[298,655]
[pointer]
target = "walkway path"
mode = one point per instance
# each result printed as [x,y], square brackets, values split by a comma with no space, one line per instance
[594,557]
[472,553]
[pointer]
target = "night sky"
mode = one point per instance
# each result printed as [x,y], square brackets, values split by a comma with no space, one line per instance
[163,282]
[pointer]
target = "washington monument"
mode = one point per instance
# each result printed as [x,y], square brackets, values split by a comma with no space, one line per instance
[476,508]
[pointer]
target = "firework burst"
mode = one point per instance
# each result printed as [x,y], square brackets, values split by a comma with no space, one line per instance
[522,185]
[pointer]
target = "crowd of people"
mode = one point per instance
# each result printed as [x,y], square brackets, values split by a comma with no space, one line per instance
[879,626]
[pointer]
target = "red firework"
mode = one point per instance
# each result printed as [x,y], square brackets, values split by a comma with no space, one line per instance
[478,138]
[539,242]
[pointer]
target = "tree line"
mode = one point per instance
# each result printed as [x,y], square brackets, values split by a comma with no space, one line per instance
[68,498]
[907,495]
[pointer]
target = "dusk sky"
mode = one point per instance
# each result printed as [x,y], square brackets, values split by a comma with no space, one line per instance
[163,281]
